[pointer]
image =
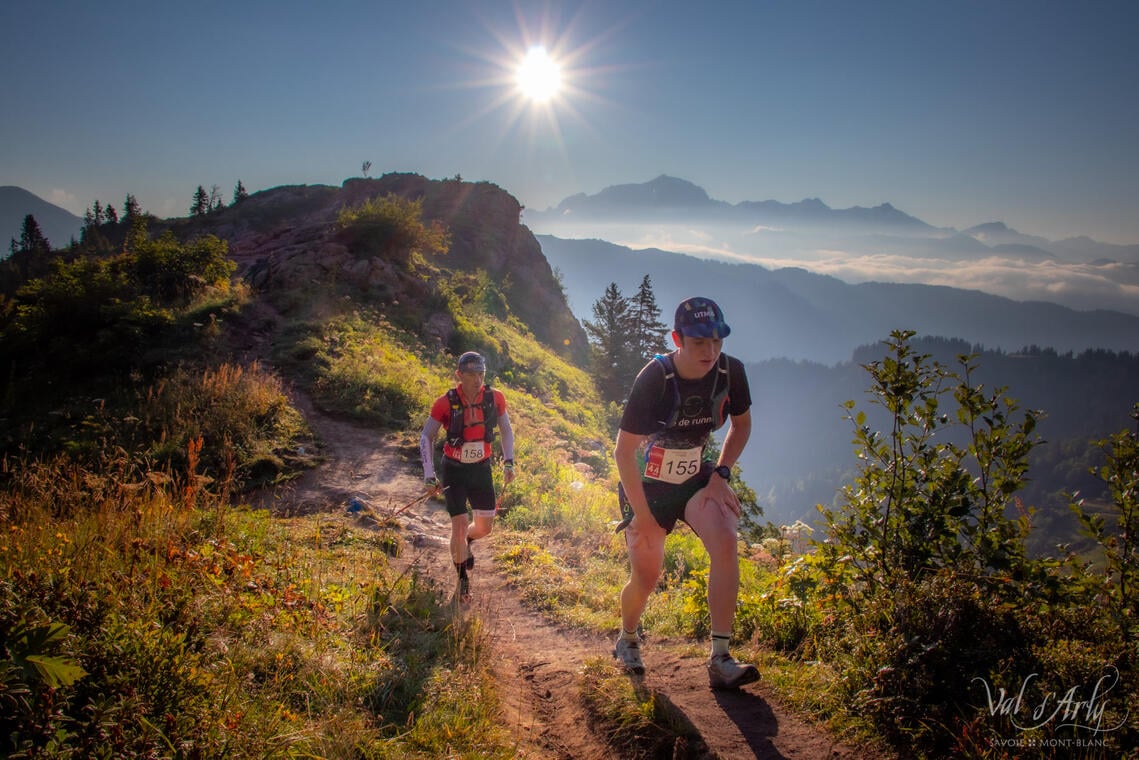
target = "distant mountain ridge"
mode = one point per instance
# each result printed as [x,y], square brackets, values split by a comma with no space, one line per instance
[667,198]
[666,195]
[57,224]
[856,245]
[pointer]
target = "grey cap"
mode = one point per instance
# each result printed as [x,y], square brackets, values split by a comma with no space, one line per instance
[471,361]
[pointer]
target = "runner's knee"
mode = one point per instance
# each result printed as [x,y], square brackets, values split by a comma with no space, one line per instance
[646,561]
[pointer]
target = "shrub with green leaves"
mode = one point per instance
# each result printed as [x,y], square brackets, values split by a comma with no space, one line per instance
[1119,543]
[925,595]
[922,501]
[172,272]
[392,228]
[248,429]
[98,319]
[34,663]
[926,549]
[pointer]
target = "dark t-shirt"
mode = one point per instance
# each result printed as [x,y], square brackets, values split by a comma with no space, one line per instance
[648,408]
[651,400]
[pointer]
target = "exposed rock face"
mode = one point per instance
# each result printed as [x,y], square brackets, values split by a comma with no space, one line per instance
[486,234]
[286,237]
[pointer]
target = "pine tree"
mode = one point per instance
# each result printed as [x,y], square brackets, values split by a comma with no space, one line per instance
[648,333]
[215,199]
[32,239]
[239,193]
[609,336]
[130,208]
[201,203]
[137,233]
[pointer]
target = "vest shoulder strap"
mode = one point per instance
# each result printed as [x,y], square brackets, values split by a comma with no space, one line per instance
[721,389]
[457,423]
[669,368]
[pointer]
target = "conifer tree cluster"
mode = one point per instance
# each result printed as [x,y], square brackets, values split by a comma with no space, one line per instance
[624,334]
[32,240]
[207,202]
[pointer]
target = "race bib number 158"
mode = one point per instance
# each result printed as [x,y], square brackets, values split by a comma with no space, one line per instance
[472,451]
[672,465]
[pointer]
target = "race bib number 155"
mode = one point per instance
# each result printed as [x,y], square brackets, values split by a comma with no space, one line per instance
[672,465]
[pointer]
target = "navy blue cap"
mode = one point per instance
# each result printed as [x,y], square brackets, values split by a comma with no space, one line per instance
[700,318]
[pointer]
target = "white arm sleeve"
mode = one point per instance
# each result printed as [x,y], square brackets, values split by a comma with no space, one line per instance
[507,436]
[426,440]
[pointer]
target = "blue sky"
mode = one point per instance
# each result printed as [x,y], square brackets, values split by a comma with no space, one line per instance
[958,112]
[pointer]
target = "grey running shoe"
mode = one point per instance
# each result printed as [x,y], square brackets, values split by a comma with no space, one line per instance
[725,673]
[628,653]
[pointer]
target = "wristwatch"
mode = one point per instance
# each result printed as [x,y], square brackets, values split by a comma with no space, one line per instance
[724,472]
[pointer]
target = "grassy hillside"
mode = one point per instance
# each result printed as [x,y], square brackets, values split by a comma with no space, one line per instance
[146,610]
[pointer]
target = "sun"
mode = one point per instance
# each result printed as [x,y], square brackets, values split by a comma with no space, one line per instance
[539,77]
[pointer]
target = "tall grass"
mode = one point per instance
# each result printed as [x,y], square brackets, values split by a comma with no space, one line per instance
[366,368]
[181,634]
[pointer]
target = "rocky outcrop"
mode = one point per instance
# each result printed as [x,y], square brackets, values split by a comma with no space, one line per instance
[486,234]
[286,237]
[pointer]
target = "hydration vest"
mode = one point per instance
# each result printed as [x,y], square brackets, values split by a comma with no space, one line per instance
[721,386]
[457,423]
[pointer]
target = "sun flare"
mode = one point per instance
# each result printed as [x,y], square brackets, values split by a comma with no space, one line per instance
[539,77]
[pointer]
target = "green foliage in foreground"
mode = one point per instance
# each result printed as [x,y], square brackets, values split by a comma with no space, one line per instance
[933,604]
[142,627]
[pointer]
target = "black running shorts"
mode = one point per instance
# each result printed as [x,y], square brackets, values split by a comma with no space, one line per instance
[666,500]
[467,484]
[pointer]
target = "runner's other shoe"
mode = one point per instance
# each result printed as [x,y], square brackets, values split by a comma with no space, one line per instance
[725,673]
[628,653]
[470,561]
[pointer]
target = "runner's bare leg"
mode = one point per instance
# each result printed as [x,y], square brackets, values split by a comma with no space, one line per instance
[716,525]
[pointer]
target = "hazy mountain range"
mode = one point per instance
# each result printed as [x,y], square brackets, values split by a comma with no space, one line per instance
[57,224]
[855,245]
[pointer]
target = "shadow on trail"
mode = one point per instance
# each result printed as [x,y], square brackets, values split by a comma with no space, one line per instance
[678,738]
[755,719]
[681,739]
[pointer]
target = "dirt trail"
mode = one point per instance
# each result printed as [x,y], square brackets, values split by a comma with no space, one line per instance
[537,663]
